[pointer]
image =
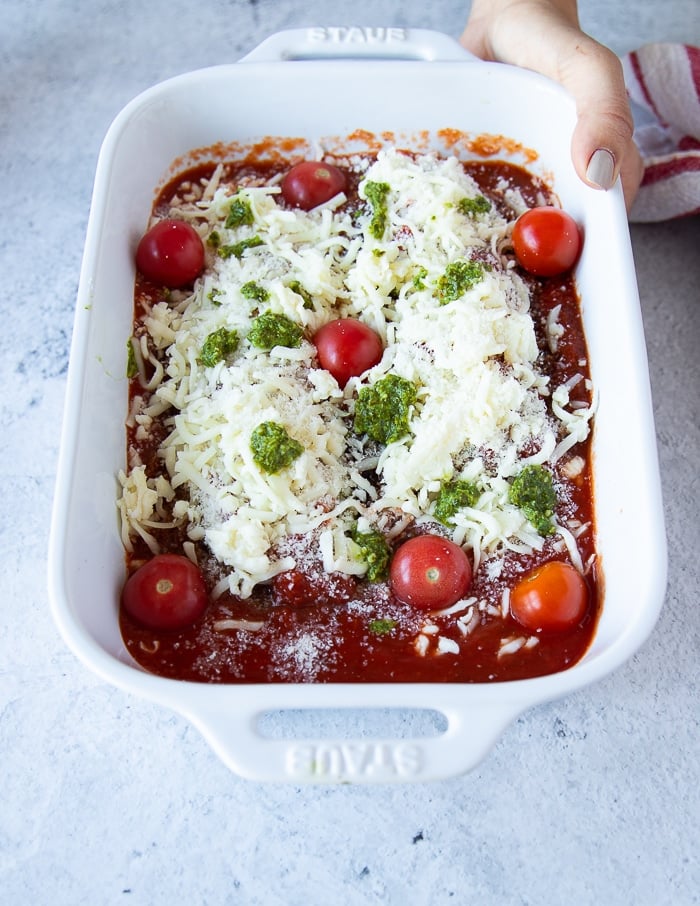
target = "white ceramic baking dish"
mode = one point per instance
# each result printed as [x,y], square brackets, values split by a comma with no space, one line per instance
[313,83]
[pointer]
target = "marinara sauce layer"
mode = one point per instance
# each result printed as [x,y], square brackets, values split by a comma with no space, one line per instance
[293,464]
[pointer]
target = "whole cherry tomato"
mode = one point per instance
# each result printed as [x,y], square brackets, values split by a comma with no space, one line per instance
[546,241]
[550,598]
[430,572]
[347,348]
[171,253]
[167,592]
[311,182]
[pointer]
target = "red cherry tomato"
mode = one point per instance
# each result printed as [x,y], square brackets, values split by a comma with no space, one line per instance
[167,592]
[551,598]
[171,253]
[310,183]
[347,348]
[547,241]
[429,572]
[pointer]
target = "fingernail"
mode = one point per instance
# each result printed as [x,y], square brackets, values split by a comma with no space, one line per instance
[601,169]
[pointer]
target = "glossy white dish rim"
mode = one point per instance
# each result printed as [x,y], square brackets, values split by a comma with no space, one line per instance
[477,714]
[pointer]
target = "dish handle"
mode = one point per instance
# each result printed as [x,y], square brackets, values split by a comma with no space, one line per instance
[470,734]
[350,43]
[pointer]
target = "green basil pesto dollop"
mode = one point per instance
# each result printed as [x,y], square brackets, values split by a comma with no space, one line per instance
[239,213]
[470,207]
[376,194]
[214,296]
[419,278]
[132,368]
[383,410]
[382,626]
[459,276]
[296,287]
[218,346]
[254,292]
[375,552]
[454,496]
[271,329]
[532,490]
[273,449]
[236,249]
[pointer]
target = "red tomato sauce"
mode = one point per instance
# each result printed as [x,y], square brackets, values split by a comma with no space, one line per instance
[309,626]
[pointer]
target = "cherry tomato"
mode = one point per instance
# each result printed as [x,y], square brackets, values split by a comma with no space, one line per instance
[167,592]
[171,253]
[547,241]
[550,598]
[310,183]
[347,348]
[429,572]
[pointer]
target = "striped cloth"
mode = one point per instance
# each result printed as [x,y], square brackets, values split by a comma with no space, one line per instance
[663,82]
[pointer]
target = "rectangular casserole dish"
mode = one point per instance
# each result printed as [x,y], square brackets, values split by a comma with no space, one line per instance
[379,80]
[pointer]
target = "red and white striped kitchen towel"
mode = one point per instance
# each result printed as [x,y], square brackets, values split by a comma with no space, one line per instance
[663,82]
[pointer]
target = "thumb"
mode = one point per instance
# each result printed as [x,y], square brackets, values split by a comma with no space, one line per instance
[547,38]
[601,147]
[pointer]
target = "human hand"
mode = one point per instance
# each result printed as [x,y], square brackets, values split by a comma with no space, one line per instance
[545,36]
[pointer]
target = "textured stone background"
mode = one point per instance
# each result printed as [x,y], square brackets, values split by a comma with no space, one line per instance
[108,799]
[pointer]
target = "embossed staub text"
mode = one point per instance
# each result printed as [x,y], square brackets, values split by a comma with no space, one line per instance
[354,760]
[356,35]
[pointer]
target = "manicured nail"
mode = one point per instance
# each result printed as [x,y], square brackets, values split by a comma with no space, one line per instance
[601,169]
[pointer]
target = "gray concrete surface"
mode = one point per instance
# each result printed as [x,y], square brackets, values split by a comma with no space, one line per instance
[107,799]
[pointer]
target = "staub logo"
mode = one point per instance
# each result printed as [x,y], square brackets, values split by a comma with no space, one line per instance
[356,35]
[355,760]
